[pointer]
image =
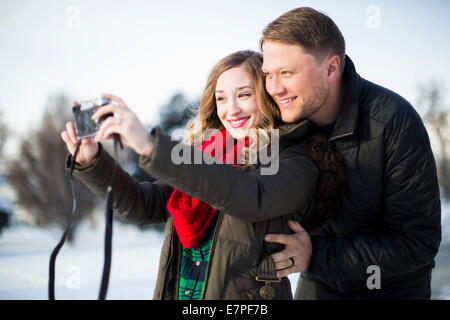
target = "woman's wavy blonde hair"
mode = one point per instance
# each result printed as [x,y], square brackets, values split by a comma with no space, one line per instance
[206,115]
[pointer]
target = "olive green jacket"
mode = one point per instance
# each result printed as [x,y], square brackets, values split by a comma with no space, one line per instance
[250,205]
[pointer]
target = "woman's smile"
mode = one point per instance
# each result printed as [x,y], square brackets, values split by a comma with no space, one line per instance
[239,122]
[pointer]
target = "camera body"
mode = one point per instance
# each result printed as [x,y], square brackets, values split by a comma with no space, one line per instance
[82,113]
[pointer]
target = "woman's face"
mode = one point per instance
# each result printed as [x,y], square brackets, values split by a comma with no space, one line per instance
[236,102]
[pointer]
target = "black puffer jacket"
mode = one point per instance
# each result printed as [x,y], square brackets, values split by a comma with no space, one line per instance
[390,213]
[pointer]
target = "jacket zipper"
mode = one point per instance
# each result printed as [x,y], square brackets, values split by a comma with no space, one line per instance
[177,287]
[211,254]
[341,136]
[163,290]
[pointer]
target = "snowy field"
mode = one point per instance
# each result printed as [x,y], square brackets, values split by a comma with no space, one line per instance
[25,253]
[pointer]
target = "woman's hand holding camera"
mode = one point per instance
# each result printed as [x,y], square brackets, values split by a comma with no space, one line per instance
[125,123]
[88,148]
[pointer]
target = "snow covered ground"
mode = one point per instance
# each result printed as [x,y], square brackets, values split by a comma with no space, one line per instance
[25,252]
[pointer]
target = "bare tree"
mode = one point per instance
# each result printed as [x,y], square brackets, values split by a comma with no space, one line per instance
[4,133]
[38,174]
[176,113]
[5,212]
[437,118]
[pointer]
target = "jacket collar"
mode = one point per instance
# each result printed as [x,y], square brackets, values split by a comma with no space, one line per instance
[295,130]
[346,122]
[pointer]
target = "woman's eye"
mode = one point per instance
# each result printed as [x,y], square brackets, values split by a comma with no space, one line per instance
[220,99]
[242,95]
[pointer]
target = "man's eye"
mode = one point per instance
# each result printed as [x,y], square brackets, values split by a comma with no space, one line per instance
[286,73]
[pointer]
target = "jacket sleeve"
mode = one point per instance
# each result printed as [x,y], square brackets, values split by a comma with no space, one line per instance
[247,195]
[140,203]
[412,214]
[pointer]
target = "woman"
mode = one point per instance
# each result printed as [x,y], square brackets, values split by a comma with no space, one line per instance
[216,214]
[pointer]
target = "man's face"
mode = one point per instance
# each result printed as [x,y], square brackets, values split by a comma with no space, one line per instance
[295,80]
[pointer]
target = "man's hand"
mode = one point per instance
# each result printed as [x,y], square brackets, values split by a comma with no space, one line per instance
[296,255]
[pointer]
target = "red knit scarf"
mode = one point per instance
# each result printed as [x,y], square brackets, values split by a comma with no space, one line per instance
[192,217]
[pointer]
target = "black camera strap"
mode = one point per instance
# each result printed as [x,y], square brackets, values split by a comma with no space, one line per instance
[108,227]
[109,223]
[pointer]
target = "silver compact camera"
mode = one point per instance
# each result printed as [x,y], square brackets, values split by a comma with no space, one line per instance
[82,113]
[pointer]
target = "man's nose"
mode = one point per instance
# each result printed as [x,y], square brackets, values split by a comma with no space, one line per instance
[274,86]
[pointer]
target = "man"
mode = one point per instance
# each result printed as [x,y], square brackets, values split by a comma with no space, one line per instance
[382,240]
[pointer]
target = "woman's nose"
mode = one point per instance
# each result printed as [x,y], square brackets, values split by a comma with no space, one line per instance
[234,107]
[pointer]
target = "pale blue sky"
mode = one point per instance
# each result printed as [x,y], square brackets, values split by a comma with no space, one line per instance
[144,51]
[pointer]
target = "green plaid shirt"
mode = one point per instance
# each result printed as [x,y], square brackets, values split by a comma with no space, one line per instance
[194,264]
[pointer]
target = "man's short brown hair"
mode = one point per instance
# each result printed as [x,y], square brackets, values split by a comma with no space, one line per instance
[312,30]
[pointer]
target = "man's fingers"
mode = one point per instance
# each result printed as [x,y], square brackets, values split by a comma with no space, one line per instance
[287,271]
[285,239]
[295,226]
[283,264]
[281,256]
[278,238]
